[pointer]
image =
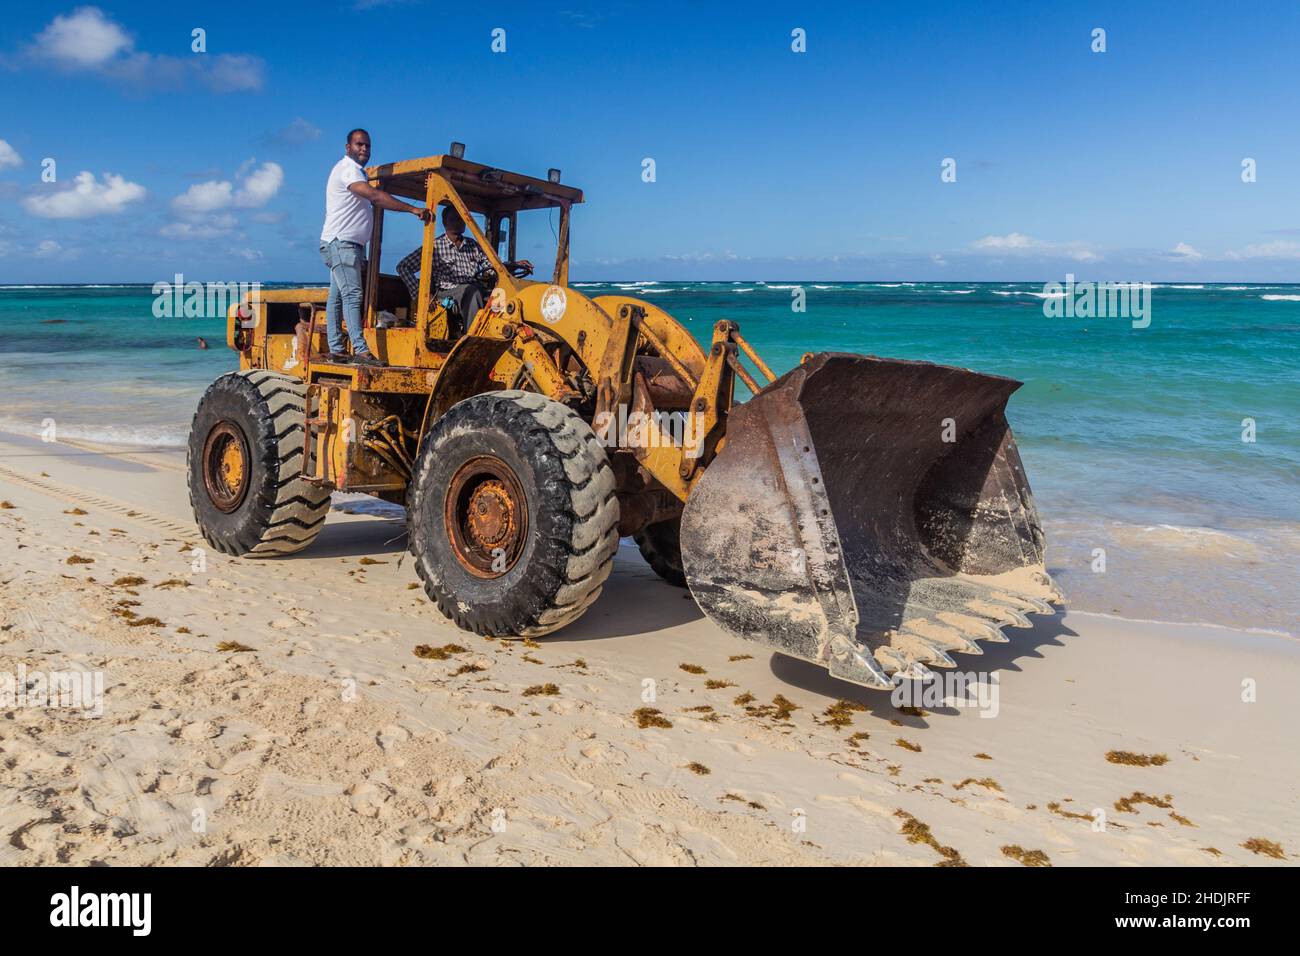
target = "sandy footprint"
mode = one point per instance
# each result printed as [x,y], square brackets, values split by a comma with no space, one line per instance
[734,746]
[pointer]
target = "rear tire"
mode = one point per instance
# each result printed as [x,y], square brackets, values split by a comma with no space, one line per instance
[512,516]
[244,465]
[661,546]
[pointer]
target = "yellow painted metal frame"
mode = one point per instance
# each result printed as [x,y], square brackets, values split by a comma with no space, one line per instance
[605,334]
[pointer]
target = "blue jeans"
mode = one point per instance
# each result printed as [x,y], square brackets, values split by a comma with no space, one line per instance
[346,261]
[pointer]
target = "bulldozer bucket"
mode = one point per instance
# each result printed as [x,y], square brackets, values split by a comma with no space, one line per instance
[870,515]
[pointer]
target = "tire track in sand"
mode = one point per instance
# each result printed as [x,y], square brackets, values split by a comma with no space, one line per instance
[74,496]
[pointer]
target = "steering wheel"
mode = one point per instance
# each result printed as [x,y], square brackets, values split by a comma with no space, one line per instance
[486,277]
[520,272]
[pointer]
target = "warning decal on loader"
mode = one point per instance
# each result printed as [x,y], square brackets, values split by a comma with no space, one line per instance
[554,303]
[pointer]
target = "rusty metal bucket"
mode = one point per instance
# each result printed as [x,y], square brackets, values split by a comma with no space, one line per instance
[871,515]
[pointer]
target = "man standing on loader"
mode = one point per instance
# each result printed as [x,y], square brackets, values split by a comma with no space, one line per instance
[349,217]
[458,263]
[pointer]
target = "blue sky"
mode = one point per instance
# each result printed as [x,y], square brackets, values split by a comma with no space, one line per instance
[769,164]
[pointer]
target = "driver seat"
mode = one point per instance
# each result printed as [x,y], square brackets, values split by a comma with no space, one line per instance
[466,302]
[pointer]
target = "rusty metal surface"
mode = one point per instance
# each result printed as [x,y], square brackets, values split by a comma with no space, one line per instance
[226,466]
[485,513]
[839,525]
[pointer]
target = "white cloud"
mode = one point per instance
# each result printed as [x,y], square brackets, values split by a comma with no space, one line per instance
[86,198]
[47,248]
[1278,249]
[256,189]
[252,255]
[260,186]
[298,131]
[222,225]
[87,39]
[83,38]
[1184,251]
[9,156]
[1017,243]
[1012,240]
[235,73]
[204,197]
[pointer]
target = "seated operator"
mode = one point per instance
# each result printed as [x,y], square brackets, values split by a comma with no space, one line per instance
[458,263]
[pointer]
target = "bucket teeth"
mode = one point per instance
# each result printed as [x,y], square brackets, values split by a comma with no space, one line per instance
[1017,603]
[1052,591]
[1035,606]
[917,671]
[923,649]
[942,635]
[899,666]
[994,635]
[984,630]
[891,660]
[849,662]
[1017,619]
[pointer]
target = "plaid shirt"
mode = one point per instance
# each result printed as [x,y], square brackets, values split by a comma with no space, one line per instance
[452,265]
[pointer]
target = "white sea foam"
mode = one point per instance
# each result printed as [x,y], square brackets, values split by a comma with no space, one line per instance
[130,285]
[1220,627]
[154,436]
[1281,298]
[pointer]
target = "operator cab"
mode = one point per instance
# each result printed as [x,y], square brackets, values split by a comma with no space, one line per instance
[490,202]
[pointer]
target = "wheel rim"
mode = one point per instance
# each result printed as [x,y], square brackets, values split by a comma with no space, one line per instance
[486,515]
[226,466]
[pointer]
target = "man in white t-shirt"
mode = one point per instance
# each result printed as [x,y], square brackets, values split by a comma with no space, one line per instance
[349,214]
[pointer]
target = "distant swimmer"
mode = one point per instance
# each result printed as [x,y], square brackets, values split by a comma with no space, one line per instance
[203,343]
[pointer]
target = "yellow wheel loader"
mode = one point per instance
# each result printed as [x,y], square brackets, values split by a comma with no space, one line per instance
[866,514]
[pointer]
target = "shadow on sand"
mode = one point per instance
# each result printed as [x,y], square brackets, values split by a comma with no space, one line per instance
[1024,643]
[356,539]
[634,604]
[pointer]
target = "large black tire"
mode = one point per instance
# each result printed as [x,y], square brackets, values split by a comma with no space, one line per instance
[543,478]
[273,511]
[661,546]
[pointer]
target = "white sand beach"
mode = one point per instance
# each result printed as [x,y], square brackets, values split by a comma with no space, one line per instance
[329,741]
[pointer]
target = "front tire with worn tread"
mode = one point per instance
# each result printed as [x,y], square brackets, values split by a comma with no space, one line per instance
[279,513]
[569,508]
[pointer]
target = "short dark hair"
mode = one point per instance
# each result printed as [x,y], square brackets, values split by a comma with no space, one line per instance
[354,132]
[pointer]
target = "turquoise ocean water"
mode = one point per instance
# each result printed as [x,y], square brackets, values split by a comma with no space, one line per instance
[1132,437]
